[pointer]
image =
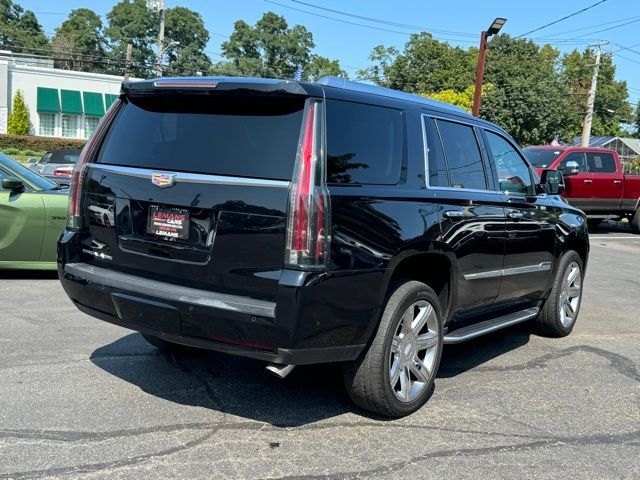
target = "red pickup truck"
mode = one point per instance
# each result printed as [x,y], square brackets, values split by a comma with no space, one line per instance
[594,181]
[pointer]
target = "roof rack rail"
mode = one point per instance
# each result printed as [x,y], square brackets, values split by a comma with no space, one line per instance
[338,82]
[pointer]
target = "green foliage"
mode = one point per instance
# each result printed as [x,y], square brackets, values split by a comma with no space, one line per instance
[79,43]
[186,27]
[273,49]
[20,30]
[636,121]
[19,119]
[37,144]
[462,99]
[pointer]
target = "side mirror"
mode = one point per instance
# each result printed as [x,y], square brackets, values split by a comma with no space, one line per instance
[552,182]
[13,184]
[572,168]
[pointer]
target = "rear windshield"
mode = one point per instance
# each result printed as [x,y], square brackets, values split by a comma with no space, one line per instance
[65,157]
[245,136]
[540,158]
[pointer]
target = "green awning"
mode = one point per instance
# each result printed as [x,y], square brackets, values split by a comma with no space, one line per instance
[93,104]
[48,100]
[71,102]
[109,99]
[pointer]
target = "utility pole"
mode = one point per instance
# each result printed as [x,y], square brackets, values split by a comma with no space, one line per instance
[127,62]
[588,118]
[495,27]
[160,39]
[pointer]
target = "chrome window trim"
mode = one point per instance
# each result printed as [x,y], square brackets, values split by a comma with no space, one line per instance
[168,291]
[504,272]
[425,149]
[185,177]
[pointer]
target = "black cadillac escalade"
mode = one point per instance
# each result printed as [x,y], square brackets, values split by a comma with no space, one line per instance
[301,223]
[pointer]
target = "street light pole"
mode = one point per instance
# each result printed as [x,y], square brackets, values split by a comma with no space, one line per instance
[591,99]
[495,27]
[477,93]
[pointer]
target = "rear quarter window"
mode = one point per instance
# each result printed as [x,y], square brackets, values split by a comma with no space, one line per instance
[364,144]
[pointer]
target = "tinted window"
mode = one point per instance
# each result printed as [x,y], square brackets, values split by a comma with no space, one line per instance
[541,158]
[364,143]
[601,162]
[438,173]
[246,136]
[513,173]
[574,157]
[69,157]
[463,155]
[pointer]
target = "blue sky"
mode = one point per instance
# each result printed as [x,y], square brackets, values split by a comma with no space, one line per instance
[351,44]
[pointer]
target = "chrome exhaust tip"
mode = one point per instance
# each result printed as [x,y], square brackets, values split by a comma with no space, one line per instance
[279,370]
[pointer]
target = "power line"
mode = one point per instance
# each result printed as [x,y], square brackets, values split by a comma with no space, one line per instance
[625,19]
[610,28]
[561,19]
[386,22]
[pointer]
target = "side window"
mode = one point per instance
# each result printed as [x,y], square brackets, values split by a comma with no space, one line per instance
[513,173]
[462,155]
[46,159]
[601,162]
[437,164]
[574,157]
[364,144]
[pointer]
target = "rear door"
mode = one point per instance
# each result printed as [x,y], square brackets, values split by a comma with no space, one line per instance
[607,183]
[578,187]
[192,189]
[531,227]
[473,222]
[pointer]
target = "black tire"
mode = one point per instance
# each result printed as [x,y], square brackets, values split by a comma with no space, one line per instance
[593,223]
[550,320]
[635,222]
[368,380]
[164,346]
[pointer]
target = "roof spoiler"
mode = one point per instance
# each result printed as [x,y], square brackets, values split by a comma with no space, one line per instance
[218,84]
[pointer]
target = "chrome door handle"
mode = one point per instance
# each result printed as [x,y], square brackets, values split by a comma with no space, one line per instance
[515,215]
[588,181]
[455,214]
[617,181]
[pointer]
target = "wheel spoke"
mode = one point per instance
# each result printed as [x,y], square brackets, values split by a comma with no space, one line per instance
[420,371]
[421,319]
[394,373]
[426,341]
[573,291]
[405,382]
[568,309]
[395,345]
[573,274]
[406,321]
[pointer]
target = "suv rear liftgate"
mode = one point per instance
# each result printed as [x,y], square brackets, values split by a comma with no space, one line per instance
[200,207]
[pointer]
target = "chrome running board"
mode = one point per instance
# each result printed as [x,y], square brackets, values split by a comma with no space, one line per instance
[488,326]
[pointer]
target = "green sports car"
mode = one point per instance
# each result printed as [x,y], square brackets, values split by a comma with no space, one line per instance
[33,213]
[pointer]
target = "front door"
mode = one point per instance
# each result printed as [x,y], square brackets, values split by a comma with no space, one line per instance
[607,184]
[530,226]
[579,186]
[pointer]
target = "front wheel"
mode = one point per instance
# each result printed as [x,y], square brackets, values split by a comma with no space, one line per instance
[395,375]
[560,311]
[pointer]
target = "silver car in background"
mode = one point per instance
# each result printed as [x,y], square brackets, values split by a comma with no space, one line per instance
[56,165]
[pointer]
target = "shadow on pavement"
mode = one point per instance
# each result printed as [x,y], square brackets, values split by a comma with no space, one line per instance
[610,227]
[28,275]
[241,387]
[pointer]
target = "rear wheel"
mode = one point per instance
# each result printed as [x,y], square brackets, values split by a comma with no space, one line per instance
[395,375]
[560,311]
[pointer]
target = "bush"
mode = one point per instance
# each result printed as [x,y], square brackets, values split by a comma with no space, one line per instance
[19,119]
[37,144]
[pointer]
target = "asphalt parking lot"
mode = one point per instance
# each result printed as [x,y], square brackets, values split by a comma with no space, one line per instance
[83,399]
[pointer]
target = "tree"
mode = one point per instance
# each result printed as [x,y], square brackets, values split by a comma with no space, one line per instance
[20,30]
[186,27]
[131,22]
[462,99]
[319,67]
[19,119]
[425,65]
[79,43]
[636,121]
[272,49]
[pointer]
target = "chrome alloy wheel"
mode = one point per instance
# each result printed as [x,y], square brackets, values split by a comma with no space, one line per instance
[414,351]
[570,294]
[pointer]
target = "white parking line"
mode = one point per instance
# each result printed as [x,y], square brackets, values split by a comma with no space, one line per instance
[607,237]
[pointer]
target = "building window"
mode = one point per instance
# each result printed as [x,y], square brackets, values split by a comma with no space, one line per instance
[70,126]
[47,124]
[90,124]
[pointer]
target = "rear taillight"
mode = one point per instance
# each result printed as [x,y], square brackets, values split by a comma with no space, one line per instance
[308,229]
[62,172]
[74,219]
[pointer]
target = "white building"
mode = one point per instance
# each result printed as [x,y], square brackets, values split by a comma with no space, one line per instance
[61,103]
